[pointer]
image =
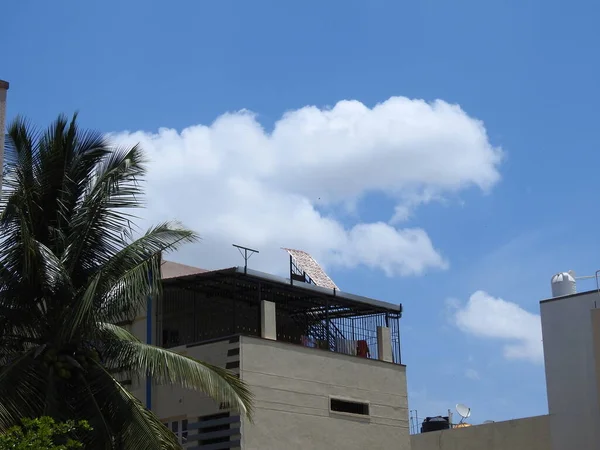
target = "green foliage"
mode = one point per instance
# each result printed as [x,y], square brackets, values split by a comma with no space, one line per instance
[71,266]
[43,434]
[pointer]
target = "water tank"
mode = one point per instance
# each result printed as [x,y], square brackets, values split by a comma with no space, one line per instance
[563,284]
[435,424]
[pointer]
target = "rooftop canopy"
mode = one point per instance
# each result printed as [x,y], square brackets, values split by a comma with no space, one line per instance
[250,285]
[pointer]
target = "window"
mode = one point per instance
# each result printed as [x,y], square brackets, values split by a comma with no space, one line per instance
[179,429]
[184,432]
[349,407]
[222,427]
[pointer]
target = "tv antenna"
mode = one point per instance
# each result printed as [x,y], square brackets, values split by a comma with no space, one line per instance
[244,252]
[463,411]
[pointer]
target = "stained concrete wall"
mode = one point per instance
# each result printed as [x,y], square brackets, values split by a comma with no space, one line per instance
[571,379]
[532,433]
[293,385]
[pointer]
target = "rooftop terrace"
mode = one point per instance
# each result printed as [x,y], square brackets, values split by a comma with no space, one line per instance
[208,305]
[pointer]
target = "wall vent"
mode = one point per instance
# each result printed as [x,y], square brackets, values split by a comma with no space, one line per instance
[339,405]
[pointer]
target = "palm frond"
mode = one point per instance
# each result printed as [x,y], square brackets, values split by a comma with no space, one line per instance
[21,387]
[112,332]
[136,427]
[70,268]
[168,367]
[134,272]
[98,224]
[81,313]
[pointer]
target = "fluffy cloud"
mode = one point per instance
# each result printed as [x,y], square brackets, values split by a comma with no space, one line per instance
[494,318]
[234,181]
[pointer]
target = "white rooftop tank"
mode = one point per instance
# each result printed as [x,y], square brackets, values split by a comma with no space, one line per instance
[564,284]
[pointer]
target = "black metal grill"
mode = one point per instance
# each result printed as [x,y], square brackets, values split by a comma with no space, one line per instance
[224,303]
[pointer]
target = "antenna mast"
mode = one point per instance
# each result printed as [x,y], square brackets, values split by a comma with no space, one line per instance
[244,252]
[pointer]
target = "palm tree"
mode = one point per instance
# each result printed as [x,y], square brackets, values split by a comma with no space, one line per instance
[70,269]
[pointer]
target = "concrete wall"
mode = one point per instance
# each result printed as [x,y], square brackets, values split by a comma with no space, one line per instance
[571,378]
[292,385]
[532,433]
[595,316]
[169,402]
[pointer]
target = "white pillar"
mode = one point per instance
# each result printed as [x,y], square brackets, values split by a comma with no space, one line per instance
[384,344]
[3,89]
[268,320]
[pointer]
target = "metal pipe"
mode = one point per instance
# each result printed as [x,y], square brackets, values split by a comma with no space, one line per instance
[327,320]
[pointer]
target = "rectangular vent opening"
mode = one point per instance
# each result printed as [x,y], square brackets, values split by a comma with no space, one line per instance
[349,407]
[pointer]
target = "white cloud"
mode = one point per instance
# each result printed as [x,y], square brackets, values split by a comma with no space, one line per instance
[494,318]
[233,181]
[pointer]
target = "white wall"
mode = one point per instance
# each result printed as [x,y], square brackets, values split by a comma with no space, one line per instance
[292,385]
[570,371]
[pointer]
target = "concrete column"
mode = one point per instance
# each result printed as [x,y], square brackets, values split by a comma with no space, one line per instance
[268,320]
[384,344]
[3,89]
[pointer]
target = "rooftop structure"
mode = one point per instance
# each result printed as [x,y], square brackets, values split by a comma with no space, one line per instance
[228,302]
[324,365]
[571,330]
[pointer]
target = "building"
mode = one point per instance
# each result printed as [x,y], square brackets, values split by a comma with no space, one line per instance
[324,366]
[531,433]
[571,340]
[571,330]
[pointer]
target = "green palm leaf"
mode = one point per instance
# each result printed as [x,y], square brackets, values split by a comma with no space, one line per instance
[126,352]
[70,269]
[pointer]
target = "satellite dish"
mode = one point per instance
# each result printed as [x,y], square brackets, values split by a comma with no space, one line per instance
[463,411]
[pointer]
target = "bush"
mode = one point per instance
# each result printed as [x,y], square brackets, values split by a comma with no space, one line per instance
[43,434]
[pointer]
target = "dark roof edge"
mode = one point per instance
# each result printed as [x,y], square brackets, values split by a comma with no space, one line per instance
[297,284]
[311,287]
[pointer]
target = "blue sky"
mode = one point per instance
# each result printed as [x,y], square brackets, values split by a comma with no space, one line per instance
[525,69]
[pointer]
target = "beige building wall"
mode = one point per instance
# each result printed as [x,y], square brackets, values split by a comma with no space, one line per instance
[176,404]
[173,401]
[571,370]
[293,386]
[532,433]
[595,315]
